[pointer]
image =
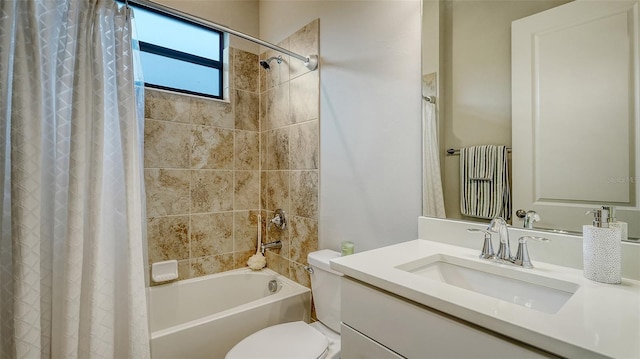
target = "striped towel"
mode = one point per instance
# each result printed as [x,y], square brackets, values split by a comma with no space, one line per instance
[484,182]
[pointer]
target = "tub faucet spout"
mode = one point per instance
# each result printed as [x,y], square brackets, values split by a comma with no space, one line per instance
[265,246]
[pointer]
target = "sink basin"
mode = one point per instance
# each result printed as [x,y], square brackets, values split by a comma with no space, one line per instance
[529,290]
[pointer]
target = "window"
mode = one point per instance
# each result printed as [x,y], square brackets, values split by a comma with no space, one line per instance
[179,55]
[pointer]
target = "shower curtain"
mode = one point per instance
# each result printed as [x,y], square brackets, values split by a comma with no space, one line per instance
[432,198]
[72,266]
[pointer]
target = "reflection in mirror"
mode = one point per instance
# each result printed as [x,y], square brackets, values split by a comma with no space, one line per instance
[467,50]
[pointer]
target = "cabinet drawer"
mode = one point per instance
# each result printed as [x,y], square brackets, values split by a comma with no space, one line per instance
[357,346]
[415,331]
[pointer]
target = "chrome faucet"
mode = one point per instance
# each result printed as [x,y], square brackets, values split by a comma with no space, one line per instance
[487,247]
[522,255]
[265,246]
[529,217]
[499,225]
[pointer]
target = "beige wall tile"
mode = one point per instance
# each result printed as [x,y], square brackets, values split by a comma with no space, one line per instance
[240,258]
[211,234]
[305,97]
[212,113]
[278,191]
[211,191]
[303,146]
[211,148]
[262,118]
[167,191]
[245,235]
[168,238]
[247,150]
[277,263]
[160,105]
[166,144]
[211,265]
[263,150]
[231,72]
[245,71]
[275,107]
[247,110]
[305,42]
[299,274]
[247,190]
[278,149]
[304,194]
[184,269]
[263,190]
[278,73]
[304,238]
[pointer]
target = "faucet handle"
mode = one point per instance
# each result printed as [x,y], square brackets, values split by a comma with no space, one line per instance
[539,239]
[522,255]
[487,247]
[279,220]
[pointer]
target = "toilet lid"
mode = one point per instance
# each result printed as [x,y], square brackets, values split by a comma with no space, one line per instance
[296,340]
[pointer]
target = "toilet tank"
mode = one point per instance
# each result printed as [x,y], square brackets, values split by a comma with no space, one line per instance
[325,288]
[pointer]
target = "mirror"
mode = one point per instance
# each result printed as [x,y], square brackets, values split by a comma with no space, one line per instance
[466,66]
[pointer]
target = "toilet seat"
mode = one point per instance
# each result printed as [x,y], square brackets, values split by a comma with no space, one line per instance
[295,340]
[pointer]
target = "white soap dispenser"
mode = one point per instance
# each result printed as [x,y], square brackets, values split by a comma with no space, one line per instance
[613,222]
[601,249]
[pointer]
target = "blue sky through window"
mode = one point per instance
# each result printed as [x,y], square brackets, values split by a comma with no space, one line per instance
[182,75]
[175,34]
[178,55]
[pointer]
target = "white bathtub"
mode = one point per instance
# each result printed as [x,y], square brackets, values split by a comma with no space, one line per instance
[206,316]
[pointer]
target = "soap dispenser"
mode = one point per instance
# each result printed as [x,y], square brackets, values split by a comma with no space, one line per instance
[613,222]
[601,249]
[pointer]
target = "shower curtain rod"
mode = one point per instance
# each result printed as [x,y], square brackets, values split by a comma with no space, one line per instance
[311,61]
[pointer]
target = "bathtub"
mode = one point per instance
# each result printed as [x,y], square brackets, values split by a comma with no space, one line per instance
[205,317]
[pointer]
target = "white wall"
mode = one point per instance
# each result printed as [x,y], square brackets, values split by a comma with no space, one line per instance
[370,142]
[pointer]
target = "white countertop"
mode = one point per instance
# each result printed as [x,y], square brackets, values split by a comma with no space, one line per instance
[598,319]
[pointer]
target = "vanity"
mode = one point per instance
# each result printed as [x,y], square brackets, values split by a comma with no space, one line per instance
[434,297]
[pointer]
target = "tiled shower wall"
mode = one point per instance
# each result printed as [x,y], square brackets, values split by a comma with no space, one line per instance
[289,119]
[203,161]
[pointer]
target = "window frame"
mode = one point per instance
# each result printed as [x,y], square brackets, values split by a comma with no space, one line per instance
[183,56]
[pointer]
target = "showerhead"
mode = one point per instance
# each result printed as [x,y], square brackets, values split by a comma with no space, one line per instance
[265,63]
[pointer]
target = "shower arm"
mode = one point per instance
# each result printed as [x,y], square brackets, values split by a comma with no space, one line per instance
[311,61]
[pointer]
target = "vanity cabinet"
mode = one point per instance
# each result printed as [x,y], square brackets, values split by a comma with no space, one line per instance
[378,324]
[363,347]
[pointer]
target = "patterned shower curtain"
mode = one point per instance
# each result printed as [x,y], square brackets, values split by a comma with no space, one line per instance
[72,261]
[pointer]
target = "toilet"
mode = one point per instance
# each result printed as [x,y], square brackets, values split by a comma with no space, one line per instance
[299,340]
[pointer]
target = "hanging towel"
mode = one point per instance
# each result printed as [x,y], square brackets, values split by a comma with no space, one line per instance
[484,182]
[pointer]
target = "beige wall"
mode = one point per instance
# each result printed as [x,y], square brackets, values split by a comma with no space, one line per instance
[212,166]
[477,79]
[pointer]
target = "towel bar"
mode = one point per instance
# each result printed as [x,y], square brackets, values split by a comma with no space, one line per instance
[453,152]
